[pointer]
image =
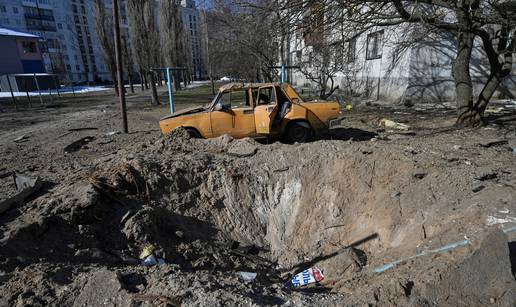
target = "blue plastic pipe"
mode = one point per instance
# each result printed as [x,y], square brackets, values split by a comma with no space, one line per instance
[170,93]
[442,249]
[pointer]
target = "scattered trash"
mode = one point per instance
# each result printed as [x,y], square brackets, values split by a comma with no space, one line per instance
[247,276]
[457,147]
[349,106]
[494,110]
[152,261]
[492,220]
[147,250]
[21,139]
[504,211]
[493,143]
[443,249]
[113,133]
[396,194]
[308,276]
[25,186]
[77,145]
[485,174]
[387,123]
[148,258]
[125,217]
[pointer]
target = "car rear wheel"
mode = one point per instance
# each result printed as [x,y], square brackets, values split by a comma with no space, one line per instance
[298,132]
[193,133]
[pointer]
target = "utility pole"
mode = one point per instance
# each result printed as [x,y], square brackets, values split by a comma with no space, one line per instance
[119,72]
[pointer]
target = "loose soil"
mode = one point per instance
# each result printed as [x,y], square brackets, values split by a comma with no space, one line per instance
[357,199]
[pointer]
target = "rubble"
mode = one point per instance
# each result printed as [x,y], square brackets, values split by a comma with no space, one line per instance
[234,220]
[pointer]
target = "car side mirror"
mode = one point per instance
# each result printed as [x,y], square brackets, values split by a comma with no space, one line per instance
[295,100]
[218,107]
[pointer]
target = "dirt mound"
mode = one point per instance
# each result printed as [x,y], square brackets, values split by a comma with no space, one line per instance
[212,208]
[484,277]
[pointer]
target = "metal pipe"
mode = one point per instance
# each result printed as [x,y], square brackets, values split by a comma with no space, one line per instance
[442,249]
[11,90]
[170,90]
[39,90]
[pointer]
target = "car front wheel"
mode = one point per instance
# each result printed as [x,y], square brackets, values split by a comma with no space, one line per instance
[298,132]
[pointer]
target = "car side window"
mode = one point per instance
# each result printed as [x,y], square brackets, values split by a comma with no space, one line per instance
[265,96]
[233,100]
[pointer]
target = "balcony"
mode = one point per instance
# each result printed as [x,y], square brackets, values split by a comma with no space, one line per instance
[39,16]
[39,27]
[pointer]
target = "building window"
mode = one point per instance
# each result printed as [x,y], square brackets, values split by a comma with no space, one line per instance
[15,10]
[374,45]
[352,49]
[3,9]
[29,47]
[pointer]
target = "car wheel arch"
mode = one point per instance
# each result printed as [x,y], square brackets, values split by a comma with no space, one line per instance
[195,131]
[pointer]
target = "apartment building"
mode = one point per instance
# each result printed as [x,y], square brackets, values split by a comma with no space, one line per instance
[192,21]
[393,64]
[69,43]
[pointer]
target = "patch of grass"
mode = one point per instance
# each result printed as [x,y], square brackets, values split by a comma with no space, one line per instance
[200,95]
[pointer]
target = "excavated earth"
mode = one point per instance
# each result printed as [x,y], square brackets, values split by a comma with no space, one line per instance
[214,208]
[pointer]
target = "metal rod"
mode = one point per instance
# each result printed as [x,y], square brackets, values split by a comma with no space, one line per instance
[39,91]
[119,72]
[51,98]
[170,91]
[11,89]
[27,92]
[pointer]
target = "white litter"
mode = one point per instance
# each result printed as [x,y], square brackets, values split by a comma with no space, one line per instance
[492,220]
[247,276]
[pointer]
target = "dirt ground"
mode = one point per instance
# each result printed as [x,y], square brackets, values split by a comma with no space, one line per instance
[437,203]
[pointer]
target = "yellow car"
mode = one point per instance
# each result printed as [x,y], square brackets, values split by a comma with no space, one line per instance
[256,110]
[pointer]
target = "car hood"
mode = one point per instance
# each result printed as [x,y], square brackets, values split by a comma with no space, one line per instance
[185,112]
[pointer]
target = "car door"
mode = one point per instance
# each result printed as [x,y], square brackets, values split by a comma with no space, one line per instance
[265,110]
[236,117]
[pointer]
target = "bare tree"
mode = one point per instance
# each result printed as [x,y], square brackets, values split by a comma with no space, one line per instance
[145,39]
[104,30]
[241,41]
[491,21]
[174,41]
[127,57]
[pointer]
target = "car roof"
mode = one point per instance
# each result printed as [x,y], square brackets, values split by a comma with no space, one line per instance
[242,86]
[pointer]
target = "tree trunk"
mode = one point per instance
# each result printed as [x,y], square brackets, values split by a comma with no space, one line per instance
[177,81]
[487,92]
[212,85]
[131,83]
[467,115]
[154,95]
